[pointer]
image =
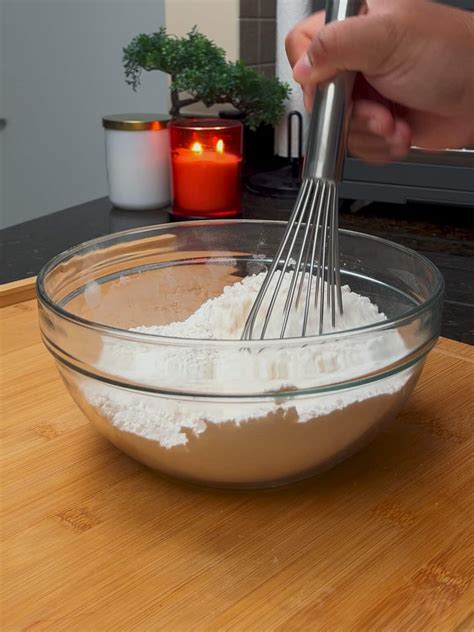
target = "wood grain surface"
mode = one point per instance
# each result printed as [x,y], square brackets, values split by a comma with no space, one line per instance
[93,541]
[17,291]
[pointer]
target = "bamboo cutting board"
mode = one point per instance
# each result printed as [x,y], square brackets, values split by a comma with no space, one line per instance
[92,541]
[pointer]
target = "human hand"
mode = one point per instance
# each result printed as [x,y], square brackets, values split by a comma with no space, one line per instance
[416,81]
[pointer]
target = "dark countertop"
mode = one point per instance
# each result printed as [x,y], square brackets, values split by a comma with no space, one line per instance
[443,234]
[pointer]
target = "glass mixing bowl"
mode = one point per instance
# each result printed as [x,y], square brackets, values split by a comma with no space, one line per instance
[157,398]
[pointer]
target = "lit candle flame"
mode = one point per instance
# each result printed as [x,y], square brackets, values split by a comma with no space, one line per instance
[196,148]
[220,146]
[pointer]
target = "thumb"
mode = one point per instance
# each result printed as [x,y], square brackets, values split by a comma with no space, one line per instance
[363,43]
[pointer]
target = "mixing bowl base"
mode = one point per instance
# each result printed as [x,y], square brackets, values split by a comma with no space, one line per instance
[268,452]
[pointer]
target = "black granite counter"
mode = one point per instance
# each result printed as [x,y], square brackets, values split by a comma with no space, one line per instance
[443,234]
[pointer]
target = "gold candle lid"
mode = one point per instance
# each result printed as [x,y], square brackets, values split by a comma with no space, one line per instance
[136,122]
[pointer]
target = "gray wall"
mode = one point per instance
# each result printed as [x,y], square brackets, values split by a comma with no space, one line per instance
[61,65]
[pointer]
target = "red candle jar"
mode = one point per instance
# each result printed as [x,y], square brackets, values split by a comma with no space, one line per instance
[206,157]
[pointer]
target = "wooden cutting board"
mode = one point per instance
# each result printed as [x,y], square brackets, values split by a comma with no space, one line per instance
[93,541]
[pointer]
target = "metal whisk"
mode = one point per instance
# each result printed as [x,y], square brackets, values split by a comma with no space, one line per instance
[310,246]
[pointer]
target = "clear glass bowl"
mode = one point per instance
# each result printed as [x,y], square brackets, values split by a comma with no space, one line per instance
[145,395]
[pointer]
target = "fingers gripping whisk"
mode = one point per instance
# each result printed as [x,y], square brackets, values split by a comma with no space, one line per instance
[302,287]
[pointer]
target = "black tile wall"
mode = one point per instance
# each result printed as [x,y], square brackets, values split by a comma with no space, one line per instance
[267,41]
[267,8]
[258,34]
[266,69]
[249,41]
[249,8]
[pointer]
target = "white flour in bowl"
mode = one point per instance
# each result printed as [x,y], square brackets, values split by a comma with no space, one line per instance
[235,370]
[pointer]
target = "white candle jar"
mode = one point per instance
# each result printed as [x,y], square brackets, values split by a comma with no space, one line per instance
[138,160]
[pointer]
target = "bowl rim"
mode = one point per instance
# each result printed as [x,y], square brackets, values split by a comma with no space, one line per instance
[136,336]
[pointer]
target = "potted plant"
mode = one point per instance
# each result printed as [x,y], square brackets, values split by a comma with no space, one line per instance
[200,72]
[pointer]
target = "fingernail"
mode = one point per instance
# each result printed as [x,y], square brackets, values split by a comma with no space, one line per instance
[395,142]
[306,100]
[397,149]
[308,96]
[374,126]
[302,68]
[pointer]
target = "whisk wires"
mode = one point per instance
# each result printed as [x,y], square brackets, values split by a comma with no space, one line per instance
[309,251]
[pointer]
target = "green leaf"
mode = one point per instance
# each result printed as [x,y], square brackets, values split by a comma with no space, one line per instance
[199,67]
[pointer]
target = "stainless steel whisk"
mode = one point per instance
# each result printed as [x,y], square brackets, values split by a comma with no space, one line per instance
[310,245]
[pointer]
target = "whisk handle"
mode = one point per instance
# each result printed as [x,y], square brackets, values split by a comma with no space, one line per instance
[328,128]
